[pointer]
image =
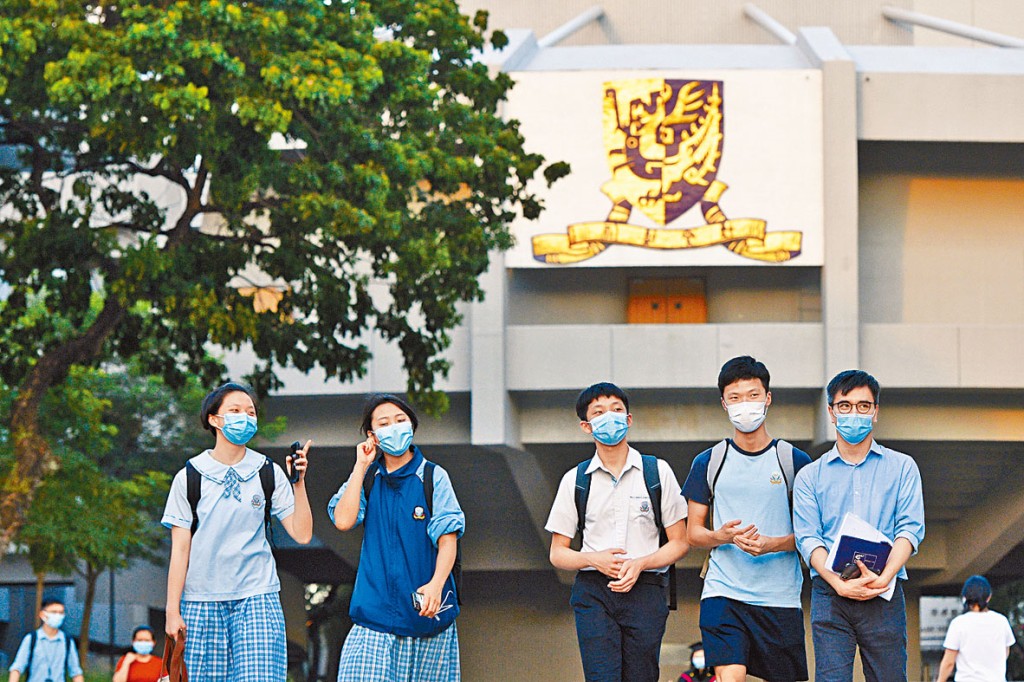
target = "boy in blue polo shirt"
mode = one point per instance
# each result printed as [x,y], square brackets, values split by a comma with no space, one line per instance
[750,615]
[51,654]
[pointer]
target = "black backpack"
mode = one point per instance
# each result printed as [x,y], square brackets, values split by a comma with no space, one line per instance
[653,482]
[194,490]
[33,637]
[428,492]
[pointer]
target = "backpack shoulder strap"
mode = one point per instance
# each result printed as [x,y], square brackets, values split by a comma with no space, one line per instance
[784,451]
[369,478]
[582,493]
[428,485]
[267,482]
[652,479]
[193,489]
[718,453]
[32,636]
[69,641]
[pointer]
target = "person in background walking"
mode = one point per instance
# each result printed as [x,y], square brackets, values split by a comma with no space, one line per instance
[979,640]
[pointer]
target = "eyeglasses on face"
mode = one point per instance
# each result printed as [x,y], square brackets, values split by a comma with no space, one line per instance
[846,407]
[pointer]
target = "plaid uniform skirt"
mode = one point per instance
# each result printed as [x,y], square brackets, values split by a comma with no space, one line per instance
[371,656]
[241,640]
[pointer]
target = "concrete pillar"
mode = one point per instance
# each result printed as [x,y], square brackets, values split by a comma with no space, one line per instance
[492,415]
[839,274]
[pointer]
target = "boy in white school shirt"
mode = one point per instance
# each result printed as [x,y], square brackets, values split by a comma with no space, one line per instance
[619,593]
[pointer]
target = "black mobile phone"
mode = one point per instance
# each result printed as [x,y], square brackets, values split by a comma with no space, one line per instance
[850,571]
[293,477]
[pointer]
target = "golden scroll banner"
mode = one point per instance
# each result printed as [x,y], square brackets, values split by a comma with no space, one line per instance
[746,237]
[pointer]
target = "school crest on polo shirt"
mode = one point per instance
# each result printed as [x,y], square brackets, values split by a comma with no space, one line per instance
[775,478]
[645,506]
[419,513]
[257,501]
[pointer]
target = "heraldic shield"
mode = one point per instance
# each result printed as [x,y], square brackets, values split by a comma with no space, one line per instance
[664,140]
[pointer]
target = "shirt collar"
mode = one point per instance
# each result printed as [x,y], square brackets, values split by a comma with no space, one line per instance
[210,468]
[59,637]
[633,460]
[833,454]
[408,469]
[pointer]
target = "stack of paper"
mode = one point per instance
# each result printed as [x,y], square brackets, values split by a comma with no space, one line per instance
[857,528]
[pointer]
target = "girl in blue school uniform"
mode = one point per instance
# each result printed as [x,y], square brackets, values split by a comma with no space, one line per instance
[222,583]
[404,602]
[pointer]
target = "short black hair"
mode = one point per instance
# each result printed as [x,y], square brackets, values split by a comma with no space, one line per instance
[213,400]
[602,389]
[977,591]
[142,628]
[844,382]
[375,400]
[743,367]
[50,601]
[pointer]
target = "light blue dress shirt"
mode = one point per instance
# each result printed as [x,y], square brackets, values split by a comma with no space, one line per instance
[48,661]
[884,490]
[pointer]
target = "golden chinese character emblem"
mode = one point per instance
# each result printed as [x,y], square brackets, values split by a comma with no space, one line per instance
[664,142]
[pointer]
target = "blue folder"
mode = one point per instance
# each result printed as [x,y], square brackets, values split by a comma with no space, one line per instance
[872,554]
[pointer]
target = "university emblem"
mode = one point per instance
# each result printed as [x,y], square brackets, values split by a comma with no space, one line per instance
[664,140]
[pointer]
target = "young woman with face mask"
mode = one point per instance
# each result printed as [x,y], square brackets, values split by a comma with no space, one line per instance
[139,664]
[222,583]
[404,602]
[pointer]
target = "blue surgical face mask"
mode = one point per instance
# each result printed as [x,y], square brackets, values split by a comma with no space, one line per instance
[238,428]
[142,647]
[854,427]
[395,439]
[609,428]
[54,620]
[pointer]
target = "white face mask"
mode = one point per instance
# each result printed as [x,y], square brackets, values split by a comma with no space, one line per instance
[747,417]
[698,661]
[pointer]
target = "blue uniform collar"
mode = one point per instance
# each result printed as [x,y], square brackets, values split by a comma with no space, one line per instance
[410,468]
[210,468]
[833,454]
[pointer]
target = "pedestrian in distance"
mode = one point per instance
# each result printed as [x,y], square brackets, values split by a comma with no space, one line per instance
[611,500]
[978,641]
[883,488]
[405,599]
[47,654]
[740,508]
[139,664]
[222,582]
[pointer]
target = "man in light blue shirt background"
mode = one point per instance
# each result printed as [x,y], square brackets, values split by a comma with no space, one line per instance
[52,655]
[883,487]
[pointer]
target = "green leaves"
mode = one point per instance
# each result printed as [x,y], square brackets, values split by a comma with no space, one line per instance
[159,117]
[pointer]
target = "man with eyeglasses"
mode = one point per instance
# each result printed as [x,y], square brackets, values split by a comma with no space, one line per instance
[882,487]
[47,654]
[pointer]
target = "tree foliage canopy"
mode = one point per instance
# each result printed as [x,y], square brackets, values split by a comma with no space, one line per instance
[141,189]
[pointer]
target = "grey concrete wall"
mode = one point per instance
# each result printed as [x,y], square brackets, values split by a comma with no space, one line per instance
[601,295]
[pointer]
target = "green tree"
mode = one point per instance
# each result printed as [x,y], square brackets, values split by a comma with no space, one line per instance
[90,523]
[147,195]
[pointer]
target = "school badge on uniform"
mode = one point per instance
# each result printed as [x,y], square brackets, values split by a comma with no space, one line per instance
[257,501]
[645,507]
[419,513]
[664,140]
[775,478]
